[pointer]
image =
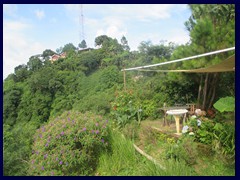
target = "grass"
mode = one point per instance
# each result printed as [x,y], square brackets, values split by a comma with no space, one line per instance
[207,164]
[124,160]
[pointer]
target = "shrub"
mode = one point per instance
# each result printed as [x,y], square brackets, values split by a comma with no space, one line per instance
[220,136]
[184,150]
[69,145]
[123,108]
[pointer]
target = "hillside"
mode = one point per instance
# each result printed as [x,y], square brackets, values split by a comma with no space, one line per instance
[92,81]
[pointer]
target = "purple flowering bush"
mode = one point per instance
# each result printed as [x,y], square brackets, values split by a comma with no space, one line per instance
[69,145]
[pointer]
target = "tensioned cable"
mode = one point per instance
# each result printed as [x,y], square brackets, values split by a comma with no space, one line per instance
[182,59]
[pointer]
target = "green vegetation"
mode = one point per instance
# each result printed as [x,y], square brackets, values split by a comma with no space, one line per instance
[41,96]
[69,145]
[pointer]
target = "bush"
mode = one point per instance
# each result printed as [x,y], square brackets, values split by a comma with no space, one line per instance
[185,149]
[69,145]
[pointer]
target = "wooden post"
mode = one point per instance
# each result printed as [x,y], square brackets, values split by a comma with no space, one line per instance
[124,79]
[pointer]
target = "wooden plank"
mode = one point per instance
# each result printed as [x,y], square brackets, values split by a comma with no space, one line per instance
[149,157]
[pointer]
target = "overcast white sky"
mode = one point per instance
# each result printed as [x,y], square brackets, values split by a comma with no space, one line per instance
[30,29]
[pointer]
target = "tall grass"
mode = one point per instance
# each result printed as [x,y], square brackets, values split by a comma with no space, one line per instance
[124,160]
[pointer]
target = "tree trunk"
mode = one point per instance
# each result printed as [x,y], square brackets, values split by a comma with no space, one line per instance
[199,91]
[210,90]
[205,92]
[215,80]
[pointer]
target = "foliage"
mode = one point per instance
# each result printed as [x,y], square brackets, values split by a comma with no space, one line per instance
[130,131]
[12,99]
[17,144]
[123,109]
[87,80]
[69,145]
[220,136]
[185,150]
[34,63]
[83,44]
[225,104]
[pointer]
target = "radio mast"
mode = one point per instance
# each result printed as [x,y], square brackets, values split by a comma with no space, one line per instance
[81,23]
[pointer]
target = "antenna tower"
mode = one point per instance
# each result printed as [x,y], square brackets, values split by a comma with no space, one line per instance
[81,32]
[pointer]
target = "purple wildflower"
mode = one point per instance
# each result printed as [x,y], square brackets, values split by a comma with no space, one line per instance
[75,139]
[45,156]
[52,173]
[102,140]
[32,152]
[40,135]
[37,152]
[46,145]
[43,129]
[68,119]
[58,137]
[42,168]
[48,140]
[56,159]
[73,121]
[84,129]
[32,161]
[62,133]
[61,162]
[97,131]
[106,121]
[92,131]
[96,124]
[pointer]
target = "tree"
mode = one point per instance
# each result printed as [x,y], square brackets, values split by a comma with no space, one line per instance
[34,63]
[83,44]
[46,53]
[211,27]
[102,40]
[21,72]
[144,46]
[124,43]
[110,48]
[11,99]
[59,50]
[69,48]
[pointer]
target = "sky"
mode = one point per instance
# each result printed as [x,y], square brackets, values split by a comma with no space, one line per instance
[30,29]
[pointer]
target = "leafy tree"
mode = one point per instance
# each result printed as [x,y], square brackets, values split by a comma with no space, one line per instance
[59,50]
[209,32]
[102,40]
[46,53]
[110,46]
[34,63]
[83,44]
[69,47]
[124,43]
[109,77]
[11,99]
[144,46]
[40,80]
[21,72]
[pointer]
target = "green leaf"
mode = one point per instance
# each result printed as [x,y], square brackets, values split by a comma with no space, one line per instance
[225,104]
